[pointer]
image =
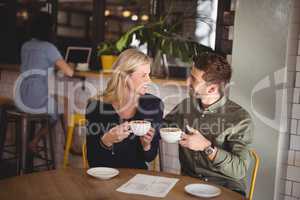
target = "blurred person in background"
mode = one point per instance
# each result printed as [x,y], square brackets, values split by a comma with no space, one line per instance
[39,59]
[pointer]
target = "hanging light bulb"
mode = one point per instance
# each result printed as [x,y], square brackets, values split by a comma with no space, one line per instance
[134,17]
[126,13]
[145,17]
[107,12]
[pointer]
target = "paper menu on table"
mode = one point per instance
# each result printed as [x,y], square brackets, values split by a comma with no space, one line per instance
[154,186]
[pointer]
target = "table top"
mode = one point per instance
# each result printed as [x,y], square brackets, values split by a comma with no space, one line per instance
[76,184]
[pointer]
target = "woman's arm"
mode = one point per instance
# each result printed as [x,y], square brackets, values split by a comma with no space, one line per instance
[95,130]
[102,133]
[156,124]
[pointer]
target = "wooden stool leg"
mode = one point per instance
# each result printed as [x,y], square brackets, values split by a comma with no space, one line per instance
[3,131]
[24,133]
[18,145]
[68,145]
[48,163]
[84,156]
[62,123]
[29,156]
[52,139]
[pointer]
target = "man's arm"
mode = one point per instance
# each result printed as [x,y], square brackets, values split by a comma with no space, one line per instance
[235,161]
[232,161]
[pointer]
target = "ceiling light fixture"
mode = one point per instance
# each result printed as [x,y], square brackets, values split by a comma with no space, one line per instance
[126,13]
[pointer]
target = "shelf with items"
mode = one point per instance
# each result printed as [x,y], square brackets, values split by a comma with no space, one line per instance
[225,24]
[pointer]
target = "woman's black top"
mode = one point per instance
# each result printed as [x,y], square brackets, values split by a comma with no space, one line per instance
[129,153]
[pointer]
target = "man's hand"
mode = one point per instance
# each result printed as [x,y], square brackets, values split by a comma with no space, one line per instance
[195,141]
[147,139]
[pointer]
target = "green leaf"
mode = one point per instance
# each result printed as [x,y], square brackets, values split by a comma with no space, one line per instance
[159,35]
[126,39]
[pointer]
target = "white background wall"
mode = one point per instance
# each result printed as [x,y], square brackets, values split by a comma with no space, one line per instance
[260,82]
[292,178]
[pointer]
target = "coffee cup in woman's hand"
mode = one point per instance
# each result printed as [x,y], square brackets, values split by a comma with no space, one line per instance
[140,127]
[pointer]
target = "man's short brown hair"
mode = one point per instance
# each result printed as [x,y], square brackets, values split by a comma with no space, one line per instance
[215,67]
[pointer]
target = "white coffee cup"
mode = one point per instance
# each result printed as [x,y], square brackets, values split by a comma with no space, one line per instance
[171,135]
[140,127]
[82,66]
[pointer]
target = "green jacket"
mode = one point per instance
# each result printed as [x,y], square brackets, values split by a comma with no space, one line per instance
[229,127]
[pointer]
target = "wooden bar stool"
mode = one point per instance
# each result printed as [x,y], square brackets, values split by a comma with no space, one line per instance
[9,149]
[12,151]
[25,128]
[76,120]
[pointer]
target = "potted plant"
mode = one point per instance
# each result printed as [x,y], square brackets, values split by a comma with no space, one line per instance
[162,41]
[160,36]
[163,38]
[107,52]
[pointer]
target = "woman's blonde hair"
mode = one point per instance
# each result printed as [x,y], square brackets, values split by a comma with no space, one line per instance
[127,63]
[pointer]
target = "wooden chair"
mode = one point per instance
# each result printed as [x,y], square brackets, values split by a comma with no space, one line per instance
[254,173]
[75,121]
[85,163]
[156,164]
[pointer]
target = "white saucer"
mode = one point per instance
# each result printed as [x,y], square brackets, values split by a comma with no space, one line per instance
[202,190]
[103,173]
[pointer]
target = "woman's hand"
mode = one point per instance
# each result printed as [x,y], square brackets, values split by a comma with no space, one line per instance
[116,134]
[147,139]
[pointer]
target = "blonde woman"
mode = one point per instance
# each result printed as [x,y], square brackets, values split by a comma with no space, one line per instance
[109,141]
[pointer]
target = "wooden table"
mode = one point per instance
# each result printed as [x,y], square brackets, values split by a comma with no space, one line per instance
[75,184]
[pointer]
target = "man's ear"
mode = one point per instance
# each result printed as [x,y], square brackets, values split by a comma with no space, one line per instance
[213,88]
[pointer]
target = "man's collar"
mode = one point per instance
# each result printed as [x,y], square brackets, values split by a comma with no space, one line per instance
[218,104]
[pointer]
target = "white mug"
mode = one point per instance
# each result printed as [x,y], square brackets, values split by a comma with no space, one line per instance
[82,66]
[139,127]
[171,135]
